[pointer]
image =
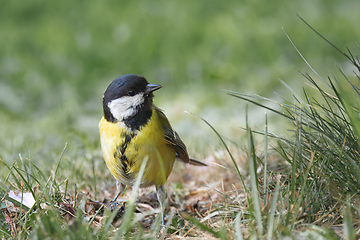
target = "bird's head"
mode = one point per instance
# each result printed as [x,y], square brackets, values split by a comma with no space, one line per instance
[126,96]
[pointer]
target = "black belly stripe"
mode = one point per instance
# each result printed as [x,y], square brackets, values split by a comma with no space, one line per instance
[119,154]
[128,137]
[126,167]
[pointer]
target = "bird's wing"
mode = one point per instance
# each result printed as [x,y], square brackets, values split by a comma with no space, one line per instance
[172,138]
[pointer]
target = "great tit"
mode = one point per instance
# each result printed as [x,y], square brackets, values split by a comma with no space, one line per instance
[132,129]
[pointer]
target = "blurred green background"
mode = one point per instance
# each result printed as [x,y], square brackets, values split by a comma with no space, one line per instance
[57,58]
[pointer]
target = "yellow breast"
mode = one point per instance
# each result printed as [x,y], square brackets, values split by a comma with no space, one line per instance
[124,151]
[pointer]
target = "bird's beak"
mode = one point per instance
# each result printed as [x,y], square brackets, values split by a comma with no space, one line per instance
[151,87]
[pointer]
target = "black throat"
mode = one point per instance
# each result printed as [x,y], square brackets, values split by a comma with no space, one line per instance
[141,117]
[136,121]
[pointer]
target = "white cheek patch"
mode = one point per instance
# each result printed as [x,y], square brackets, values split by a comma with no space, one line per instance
[125,106]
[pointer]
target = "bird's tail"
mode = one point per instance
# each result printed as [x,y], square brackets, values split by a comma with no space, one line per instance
[196,162]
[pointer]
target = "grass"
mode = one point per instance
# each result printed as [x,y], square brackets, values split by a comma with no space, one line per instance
[316,196]
[322,188]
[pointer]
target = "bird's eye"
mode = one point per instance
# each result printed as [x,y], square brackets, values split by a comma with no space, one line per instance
[131,93]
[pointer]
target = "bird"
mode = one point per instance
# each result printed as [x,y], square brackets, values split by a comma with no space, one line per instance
[133,128]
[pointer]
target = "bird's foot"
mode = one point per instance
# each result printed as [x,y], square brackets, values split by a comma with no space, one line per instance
[115,206]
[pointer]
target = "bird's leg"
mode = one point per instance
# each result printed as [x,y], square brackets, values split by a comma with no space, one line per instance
[119,188]
[161,196]
[113,205]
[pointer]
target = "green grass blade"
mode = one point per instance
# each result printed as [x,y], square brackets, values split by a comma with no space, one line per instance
[348,227]
[304,57]
[254,181]
[239,95]
[5,233]
[27,184]
[271,221]
[25,170]
[58,164]
[344,54]
[266,160]
[218,234]
[238,232]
